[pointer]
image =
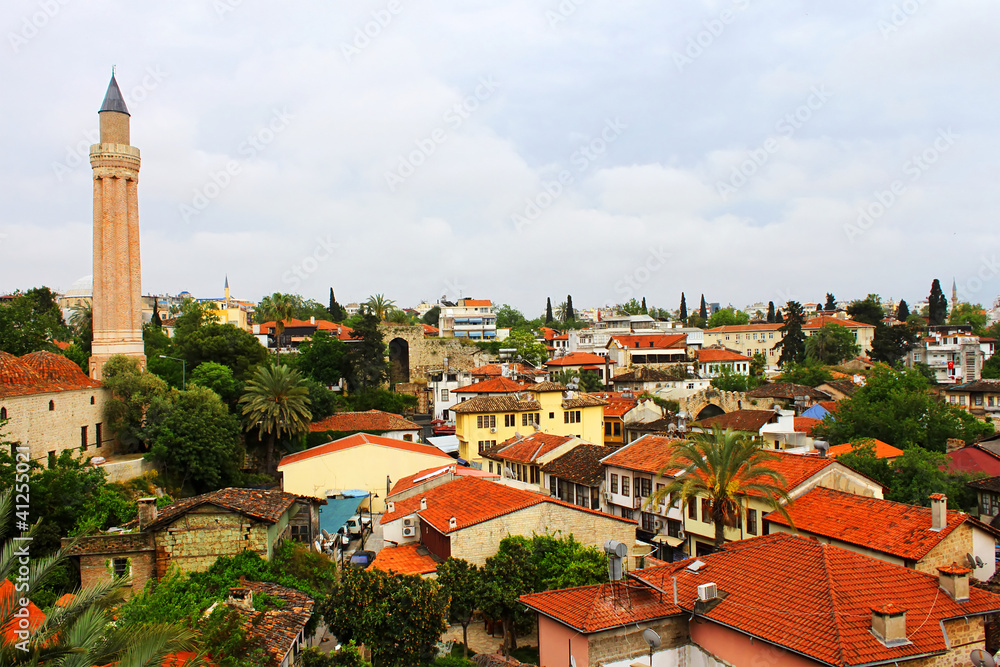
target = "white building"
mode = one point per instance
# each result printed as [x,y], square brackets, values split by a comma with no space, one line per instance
[469,318]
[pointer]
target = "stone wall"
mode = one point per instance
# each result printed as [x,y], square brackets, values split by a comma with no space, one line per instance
[195,540]
[428,354]
[477,543]
[952,549]
[122,471]
[728,401]
[32,423]
[963,636]
[624,643]
[98,552]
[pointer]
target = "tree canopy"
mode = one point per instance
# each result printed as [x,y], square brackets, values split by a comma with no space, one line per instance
[369,367]
[727,317]
[792,344]
[832,344]
[30,322]
[937,305]
[867,310]
[132,392]
[323,358]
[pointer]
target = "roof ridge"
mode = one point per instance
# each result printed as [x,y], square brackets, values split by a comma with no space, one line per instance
[834,602]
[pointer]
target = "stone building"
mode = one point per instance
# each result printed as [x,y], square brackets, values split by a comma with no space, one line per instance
[51,405]
[191,533]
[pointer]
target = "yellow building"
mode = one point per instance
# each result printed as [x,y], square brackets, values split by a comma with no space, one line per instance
[751,339]
[484,421]
[229,311]
[360,461]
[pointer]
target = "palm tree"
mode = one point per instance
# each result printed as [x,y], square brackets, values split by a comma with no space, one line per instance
[380,305]
[80,633]
[727,469]
[284,307]
[276,402]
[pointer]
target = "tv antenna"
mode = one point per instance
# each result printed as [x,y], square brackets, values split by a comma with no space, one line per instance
[653,640]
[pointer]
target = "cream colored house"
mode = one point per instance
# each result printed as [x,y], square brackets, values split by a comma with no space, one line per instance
[751,339]
[360,461]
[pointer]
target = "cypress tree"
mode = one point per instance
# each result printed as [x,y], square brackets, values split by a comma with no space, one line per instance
[937,304]
[548,310]
[684,309]
[570,313]
[703,311]
[831,302]
[902,311]
[644,311]
[770,312]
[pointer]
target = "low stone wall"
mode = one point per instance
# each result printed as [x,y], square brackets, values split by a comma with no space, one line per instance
[122,471]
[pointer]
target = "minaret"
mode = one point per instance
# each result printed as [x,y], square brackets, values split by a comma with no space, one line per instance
[227,291]
[117,297]
[954,294]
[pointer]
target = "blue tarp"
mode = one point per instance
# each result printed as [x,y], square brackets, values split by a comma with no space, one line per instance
[338,510]
[816,412]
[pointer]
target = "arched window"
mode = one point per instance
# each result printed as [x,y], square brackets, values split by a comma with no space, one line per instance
[3,413]
[91,400]
[52,405]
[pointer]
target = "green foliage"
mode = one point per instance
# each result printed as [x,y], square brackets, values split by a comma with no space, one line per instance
[322,401]
[78,356]
[971,314]
[991,369]
[509,317]
[132,392]
[30,322]
[810,373]
[632,307]
[397,617]
[891,343]
[81,322]
[280,306]
[902,311]
[380,306]
[462,582]
[231,647]
[682,312]
[194,439]
[937,305]
[335,310]
[381,399]
[726,317]
[770,312]
[548,310]
[225,344]
[369,366]
[452,661]
[276,405]
[348,656]
[895,407]
[832,344]
[792,344]
[507,575]
[562,562]
[194,315]
[868,310]
[433,315]
[218,378]
[730,380]
[589,381]
[758,363]
[528,349]
[323,358]
[831,303]
[703,309]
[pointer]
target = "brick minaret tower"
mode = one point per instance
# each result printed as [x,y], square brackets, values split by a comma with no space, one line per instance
[117,297]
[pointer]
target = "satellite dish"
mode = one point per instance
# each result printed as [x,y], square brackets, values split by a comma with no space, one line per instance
[979,562]
[326,535]
[653,639]
[981,658]
[572,661]
[972,560]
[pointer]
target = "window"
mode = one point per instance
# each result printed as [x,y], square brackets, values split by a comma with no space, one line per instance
[648,522]
[571,417]
[984,503]
[510,420]
[486,421]
[625,485]
[627,513]
[408,437]
[614,483]
[83,438]
[535,476]
[491,466]
[300,533]
[618,429]
[484,444]
[52,406]
[97,434]
[120,567]
[444,394]
[91,400]
[673,528]
[607,428]
[989,401]
[961,399]
[552,415]
[52,459]
[692,509]
[706,510]
[643,487]
[3,411]
[752,522]
[978,400]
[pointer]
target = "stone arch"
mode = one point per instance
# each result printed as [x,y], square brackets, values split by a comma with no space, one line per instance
[699,404]
[399,360]
[710,410]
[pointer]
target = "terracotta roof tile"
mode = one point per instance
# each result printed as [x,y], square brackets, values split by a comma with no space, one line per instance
[746,421]
[710,356]
[787,390]
[582,401]
[494,385]
[642,374]
[417,478]
[883,450]
[359,440]
[650,453]
[580,465]
[650,341]
[826,595]
[405,559]
[275,630]
[8,601]
[817,322]
[578,359]
[541,387]
[267,506]
[528,449]
[501,403]
[372,420]
[590,609]
[844,386]
[805,424]
[496,370]
[41,372]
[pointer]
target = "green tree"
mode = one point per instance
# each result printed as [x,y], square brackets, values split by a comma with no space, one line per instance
[528,348]
[727,317]
[194,439]
[895,406]
[562,562]
[809,373]
[224,344]
[891,343]
[832,344]
[462,582]
[368,364]
[78,356]
[726,469]
[902,311]
[729,380]
[323,358]
[278,307]
[337,312]
[219,379]
[397,617]
[758,364]
[81,632]
[868,310]
[276,405]
[792,344]
[30,322]
[588,381]
[382,399]
[322,401]
[132,392]
[831,303]
[81,320]
[380,306]
[548,310]
[969,314]
[193,316]
[937,302]
[991,369]
[682,313]
[703,309]
[571,314]
[770,312]
[507,575]
[632,307]
[433,315]
[509,317]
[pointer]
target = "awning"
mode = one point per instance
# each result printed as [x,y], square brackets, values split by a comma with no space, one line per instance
[672,541]
[446,443]
[338,510]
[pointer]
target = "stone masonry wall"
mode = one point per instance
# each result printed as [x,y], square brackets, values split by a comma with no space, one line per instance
[477,543]
[624,643]
[952,549]
[43,430]
[429,353]
[194,541]
[963,636]
[98,568]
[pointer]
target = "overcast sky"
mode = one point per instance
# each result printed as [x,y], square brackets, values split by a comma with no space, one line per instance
[515,150]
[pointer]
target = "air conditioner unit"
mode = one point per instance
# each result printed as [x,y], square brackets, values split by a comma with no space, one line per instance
[409,531]
[407,521]
[607,496]
[707,592]
[681,535]
[493,430]
[658,525]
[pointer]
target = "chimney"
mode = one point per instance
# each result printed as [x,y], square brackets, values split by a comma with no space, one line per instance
[939,511]
[452,523]
[391,506]
[889,624]
[954,580]
[241,596]
[423,503]
[147,512]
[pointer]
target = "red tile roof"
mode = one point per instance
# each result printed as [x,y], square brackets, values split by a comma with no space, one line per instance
[265,505]
[650,453]
[578,359]
[472,500]
[528,449]
[339,331]
[40,372]
[740,328]
[883,450]
[817,322]
[494,404]
[430,330]
[746,421]
[494,385]
[882,525]
[590,609]
[418,478]
[580,465]
[475,303]
[710,356]
[495,370]
[360,440]
[805,424]
[372,420]
[649,341]
[830,406]
[405,559]
[9,598]
[816,599]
